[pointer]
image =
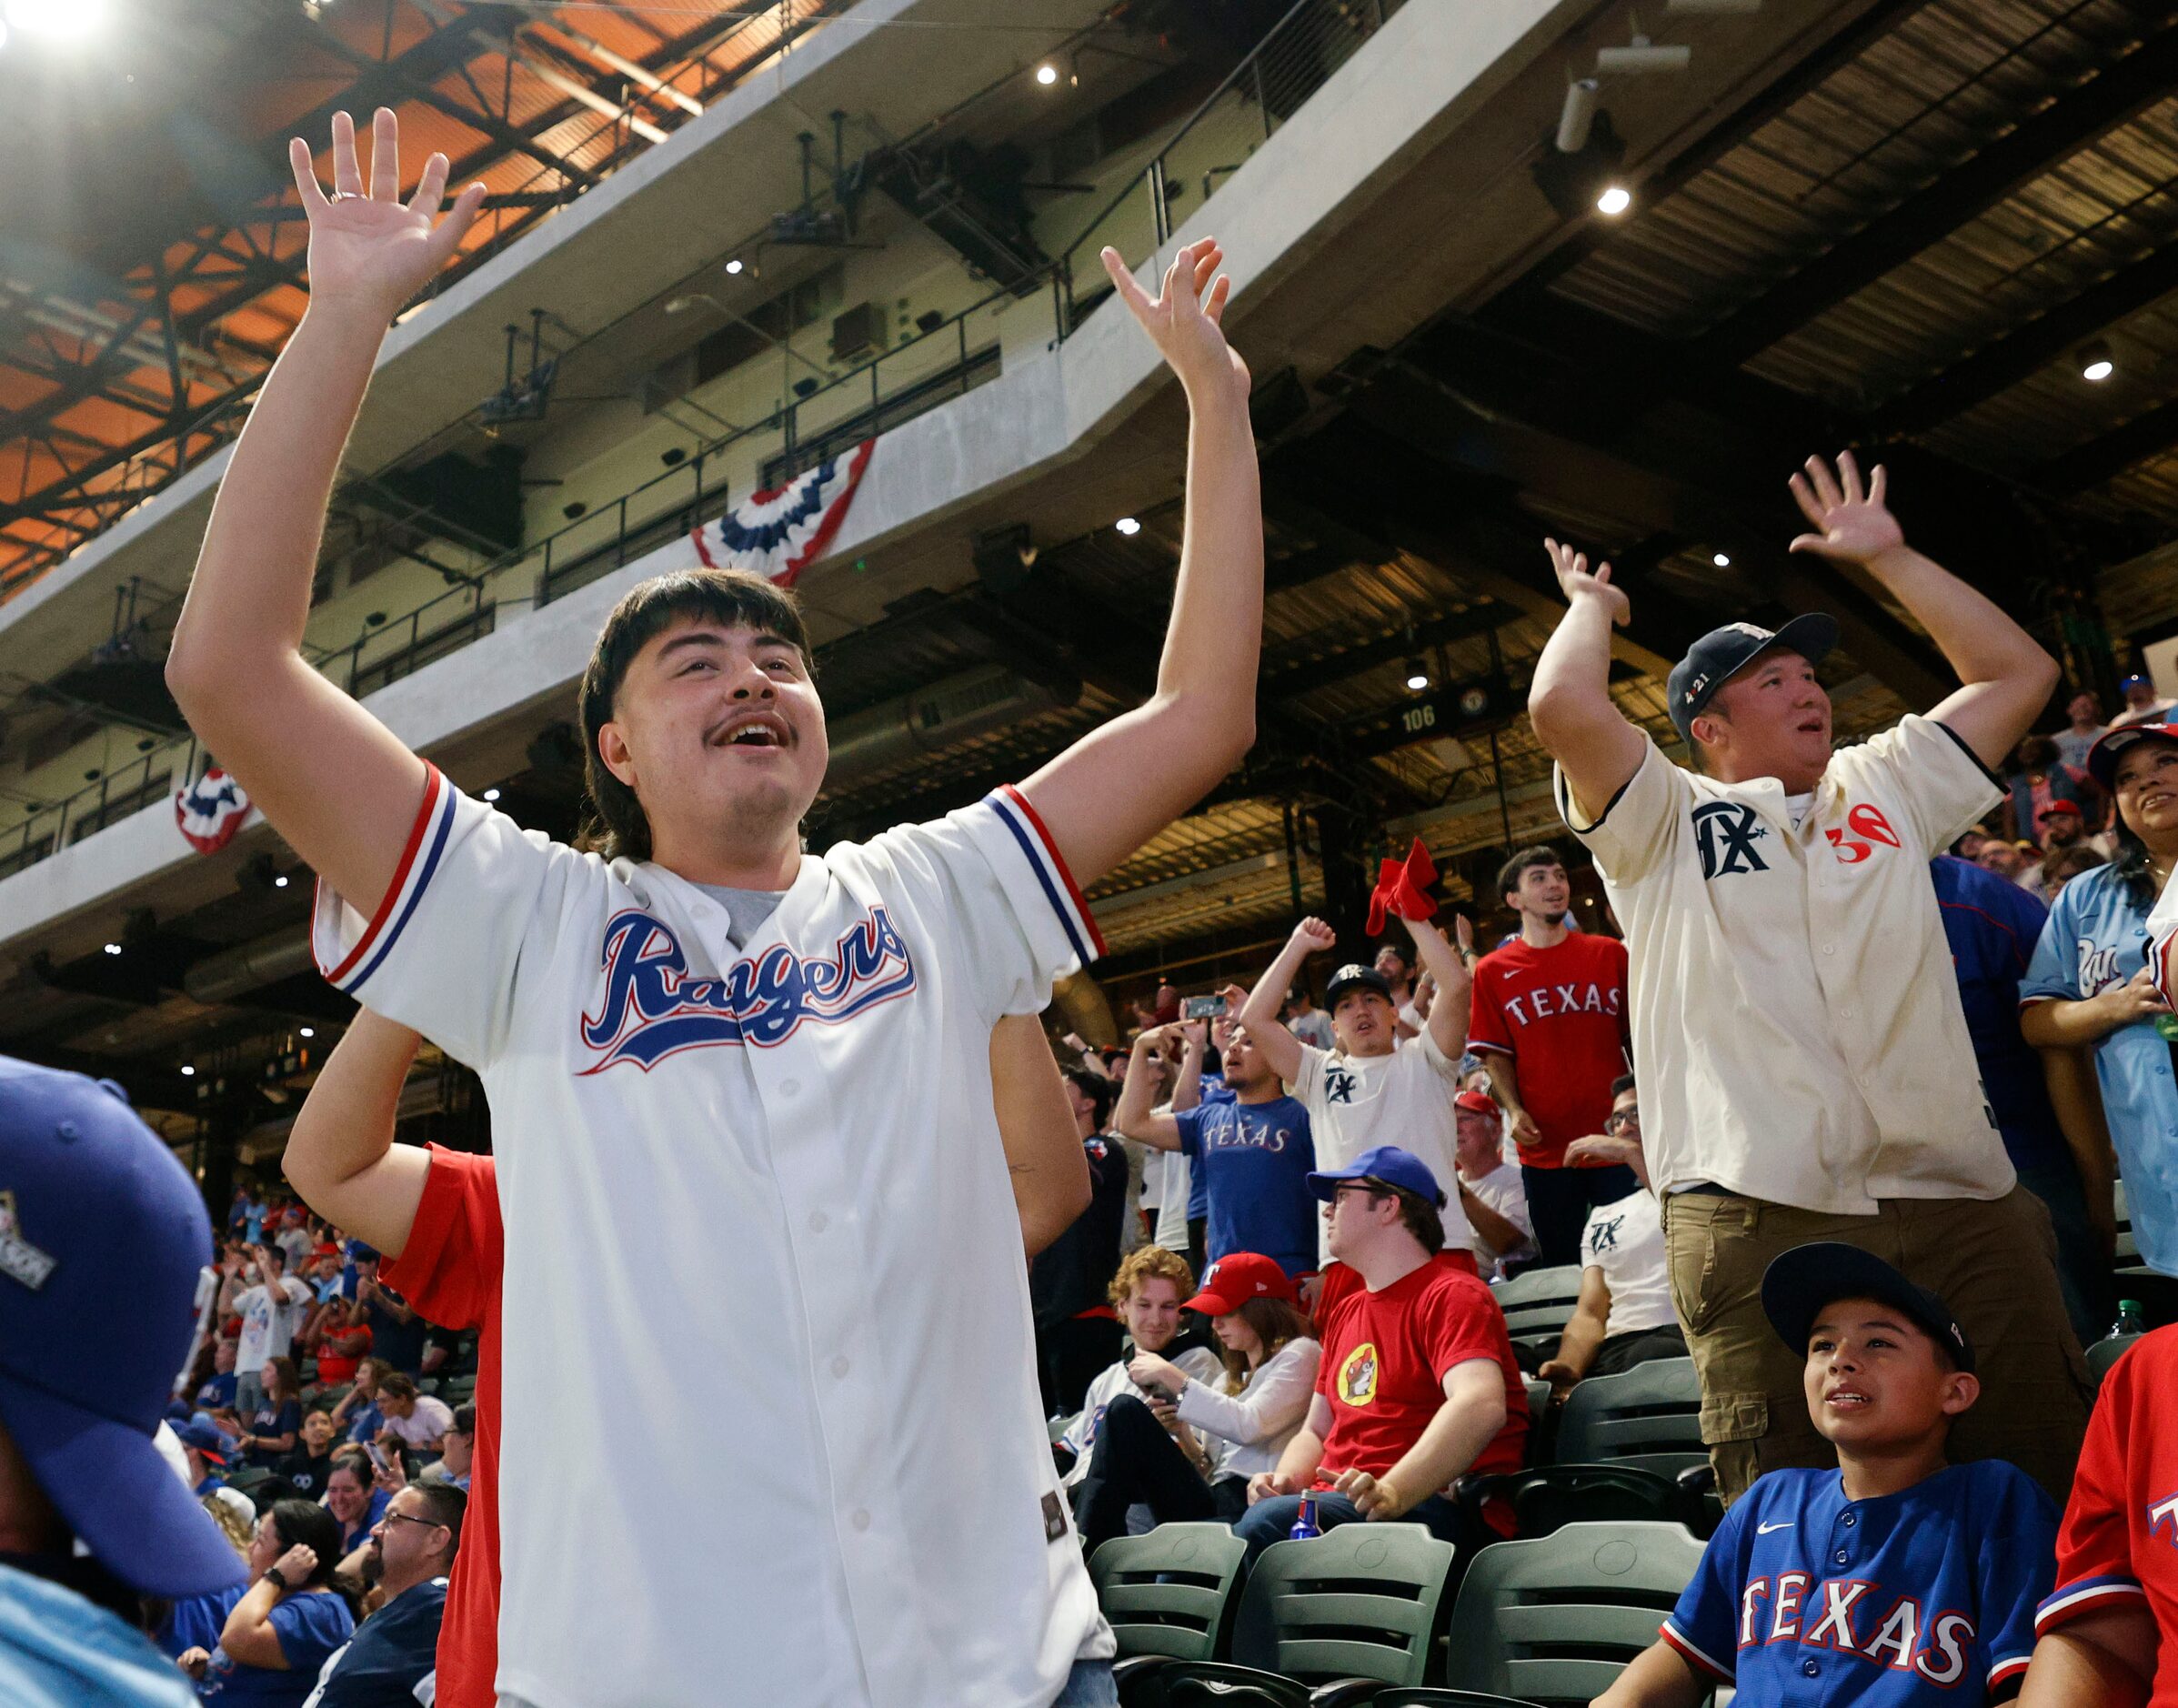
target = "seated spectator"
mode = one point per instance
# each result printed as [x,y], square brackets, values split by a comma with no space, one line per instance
[354,1499]
[1417,1385]
[2082,729]
[2101,1629]
[1493,1190]
[1894,1577]
[457,1452]
[1251,1152]
[206,1449]
[268,1433]
[311,1463]
[278,1636]
[1076,1333]
[413,1421]
[1146,1291]
[357,1413]
[217,1392]
[2006,859]
[2073,863]
[1185,1447]
[2059,826]
[1624,1316]
[395,1648]
[344,1341]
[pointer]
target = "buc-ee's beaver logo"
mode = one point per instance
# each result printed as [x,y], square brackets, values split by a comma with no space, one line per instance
[1358,1375]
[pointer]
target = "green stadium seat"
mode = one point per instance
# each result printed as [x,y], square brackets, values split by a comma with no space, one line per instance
[1653,1407]
[1172,1591]
[1554,1621]
[1539,1304]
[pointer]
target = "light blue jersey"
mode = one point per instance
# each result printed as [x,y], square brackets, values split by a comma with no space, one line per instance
[2097,936]
[58,1651]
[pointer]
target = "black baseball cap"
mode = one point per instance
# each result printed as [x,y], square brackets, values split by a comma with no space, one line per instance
[1354,976]
[1712,660]
[1801,1283]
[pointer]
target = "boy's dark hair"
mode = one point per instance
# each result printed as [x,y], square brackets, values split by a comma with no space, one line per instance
[465,1420]
[738,598]
[1620,1086]
[1509,874]
[1100,1090]
[1421,1217]
[398,1387]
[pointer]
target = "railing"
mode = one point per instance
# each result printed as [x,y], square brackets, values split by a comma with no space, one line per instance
[1293,60]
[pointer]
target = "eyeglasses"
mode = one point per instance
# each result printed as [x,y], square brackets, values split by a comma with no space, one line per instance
[404,1518]
[1372,1191]
[1631,1115]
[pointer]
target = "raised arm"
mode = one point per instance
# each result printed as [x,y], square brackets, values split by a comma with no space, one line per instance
[1044,1158]
[327,774]
[1119,785]
[341,1157]
[1455,984]
[1133,1118]
[1569,700]
[2006,677]
[1260,1012]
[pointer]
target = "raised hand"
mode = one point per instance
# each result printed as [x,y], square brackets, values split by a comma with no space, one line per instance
[1185,319]
[1576,582]
[1851,525]
[1315,934]
[368,247]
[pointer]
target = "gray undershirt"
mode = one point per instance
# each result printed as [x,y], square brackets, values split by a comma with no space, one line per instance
[746,910]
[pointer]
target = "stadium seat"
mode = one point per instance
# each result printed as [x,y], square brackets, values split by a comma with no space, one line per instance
[2128,1248]
[2105,1352]
[1539,1304]
[1653,1407]
[1546,1498]
[1170,1592]
[1431,1696]
[1322,1622]
[1554,1621]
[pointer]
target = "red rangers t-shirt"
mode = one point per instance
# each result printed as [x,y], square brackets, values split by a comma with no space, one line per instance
[2118,1543]
[1385,1355]
[1560,1014]
[450,1271]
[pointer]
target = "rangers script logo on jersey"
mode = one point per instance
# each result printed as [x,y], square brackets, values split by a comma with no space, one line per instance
[653,1009]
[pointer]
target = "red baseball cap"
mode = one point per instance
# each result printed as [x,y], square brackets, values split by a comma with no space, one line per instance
[1235,1279]
[2056,806]
[1477,1103]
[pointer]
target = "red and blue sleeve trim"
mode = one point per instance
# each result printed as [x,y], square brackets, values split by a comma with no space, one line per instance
[1679,1640]
[419,861]
[1051,867]
[2082,1595]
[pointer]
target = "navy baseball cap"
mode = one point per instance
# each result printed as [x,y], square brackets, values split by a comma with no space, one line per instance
[1712,660]
[359,1252]
[88,1346]
[2102,758]
[1387,1163]
[205,1437]
[2131,682]
[1354,976]
[1800,1282]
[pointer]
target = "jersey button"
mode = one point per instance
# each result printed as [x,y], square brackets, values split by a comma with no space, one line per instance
[1851,1519]
[839,1364]
[789,1088]
[818,1222]
[860,1520]
[1841,1556]
[1828,949]
[1810,1668]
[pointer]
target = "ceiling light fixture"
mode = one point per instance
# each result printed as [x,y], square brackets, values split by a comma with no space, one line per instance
[1418,675]
[112,949]
[2096,364]
[1127,525]
[491,794]
[280,882]
[307,1032]
[1720,561]
[1047,74]
[1615,200]
[188,1072]
[734,265]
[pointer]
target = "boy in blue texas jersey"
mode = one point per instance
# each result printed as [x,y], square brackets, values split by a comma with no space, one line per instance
[1895,1579]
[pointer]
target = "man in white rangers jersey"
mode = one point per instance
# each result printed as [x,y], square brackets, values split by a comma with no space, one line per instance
[727,1075]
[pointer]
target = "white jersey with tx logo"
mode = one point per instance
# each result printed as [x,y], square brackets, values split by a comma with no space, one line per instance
[759,1224]
[1797,1031]
[1625,1240]
[1356,1103]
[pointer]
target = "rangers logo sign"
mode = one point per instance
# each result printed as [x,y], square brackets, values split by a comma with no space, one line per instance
[210,810]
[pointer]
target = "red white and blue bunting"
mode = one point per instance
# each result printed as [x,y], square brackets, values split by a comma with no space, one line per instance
[210,810]
[780,534]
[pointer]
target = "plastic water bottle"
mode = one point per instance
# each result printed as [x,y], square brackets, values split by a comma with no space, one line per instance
[2130,1318]
[1304,1525]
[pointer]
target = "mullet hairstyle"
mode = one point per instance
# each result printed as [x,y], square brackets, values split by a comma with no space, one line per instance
[1147,1263]
[617,826]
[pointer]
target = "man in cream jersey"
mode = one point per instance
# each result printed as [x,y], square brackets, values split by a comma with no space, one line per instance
[724,1073]
[1804,1062]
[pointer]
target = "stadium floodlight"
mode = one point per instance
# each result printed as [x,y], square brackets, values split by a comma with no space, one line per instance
[1572,182]
[1047,74]
[1127,525]
[1614,200]
[2096,363]
[1418,675]
[734,265]
[1577,114]
[1720,561]
[61,20]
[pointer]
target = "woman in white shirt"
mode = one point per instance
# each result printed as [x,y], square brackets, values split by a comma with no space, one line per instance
[1186,1447]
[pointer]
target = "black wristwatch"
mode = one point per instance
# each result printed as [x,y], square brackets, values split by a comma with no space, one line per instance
[278,1582]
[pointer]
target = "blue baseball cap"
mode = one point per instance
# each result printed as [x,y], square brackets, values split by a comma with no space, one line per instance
[1387,1163]
[205,1437]
[1712,660]
[2135,680]
[88,1346]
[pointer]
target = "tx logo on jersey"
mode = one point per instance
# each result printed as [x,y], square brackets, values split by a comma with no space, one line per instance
[1606,1236]
[653,1009]
[1338,1085]
[1358,1375]
[1726,832]
[1936,1644]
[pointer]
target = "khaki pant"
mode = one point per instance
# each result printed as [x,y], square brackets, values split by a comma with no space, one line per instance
[1994,1263]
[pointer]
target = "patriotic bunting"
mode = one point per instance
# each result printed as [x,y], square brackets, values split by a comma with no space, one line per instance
[210,810]
[780,534]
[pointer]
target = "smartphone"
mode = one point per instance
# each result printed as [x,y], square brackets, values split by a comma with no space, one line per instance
[1157,1391]
[1202,1007]
[379,1458]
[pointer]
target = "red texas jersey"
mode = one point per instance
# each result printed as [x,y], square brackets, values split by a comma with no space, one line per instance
[1560,1014]
[2119,1546]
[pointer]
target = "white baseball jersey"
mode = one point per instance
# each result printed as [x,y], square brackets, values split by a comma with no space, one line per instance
[770,1401]
[1405,1099]
[1797,1030]
[1625,1240]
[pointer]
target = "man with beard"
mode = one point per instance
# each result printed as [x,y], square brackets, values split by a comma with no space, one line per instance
[1549,1022]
